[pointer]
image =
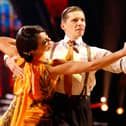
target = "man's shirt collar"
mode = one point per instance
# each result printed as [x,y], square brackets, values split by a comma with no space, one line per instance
[78,41]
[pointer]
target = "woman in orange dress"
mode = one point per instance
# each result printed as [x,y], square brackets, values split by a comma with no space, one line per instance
[32,92]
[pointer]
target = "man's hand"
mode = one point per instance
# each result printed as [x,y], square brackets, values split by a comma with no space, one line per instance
[11,63]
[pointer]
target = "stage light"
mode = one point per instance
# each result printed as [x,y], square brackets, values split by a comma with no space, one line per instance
[120,110]
[9,96]
[103,99]
[104,107]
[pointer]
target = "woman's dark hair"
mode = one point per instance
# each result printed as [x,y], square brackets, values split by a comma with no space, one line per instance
[27,40]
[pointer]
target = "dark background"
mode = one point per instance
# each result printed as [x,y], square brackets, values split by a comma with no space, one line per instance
[106,22]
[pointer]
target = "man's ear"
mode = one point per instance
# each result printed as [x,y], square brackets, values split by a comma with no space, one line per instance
[62,26]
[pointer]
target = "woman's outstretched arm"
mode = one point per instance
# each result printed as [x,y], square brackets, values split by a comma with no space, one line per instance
[7,46]
[72,67]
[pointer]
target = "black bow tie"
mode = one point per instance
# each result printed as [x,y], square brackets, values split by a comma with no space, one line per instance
[72,44]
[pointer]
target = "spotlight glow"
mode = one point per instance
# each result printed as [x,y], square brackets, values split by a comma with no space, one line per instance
[104,107]
[103,99]
[120,111]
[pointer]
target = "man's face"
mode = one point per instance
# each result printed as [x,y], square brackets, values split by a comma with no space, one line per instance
[75,24]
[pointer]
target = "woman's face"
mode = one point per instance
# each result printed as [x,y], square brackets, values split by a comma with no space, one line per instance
[44,43]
